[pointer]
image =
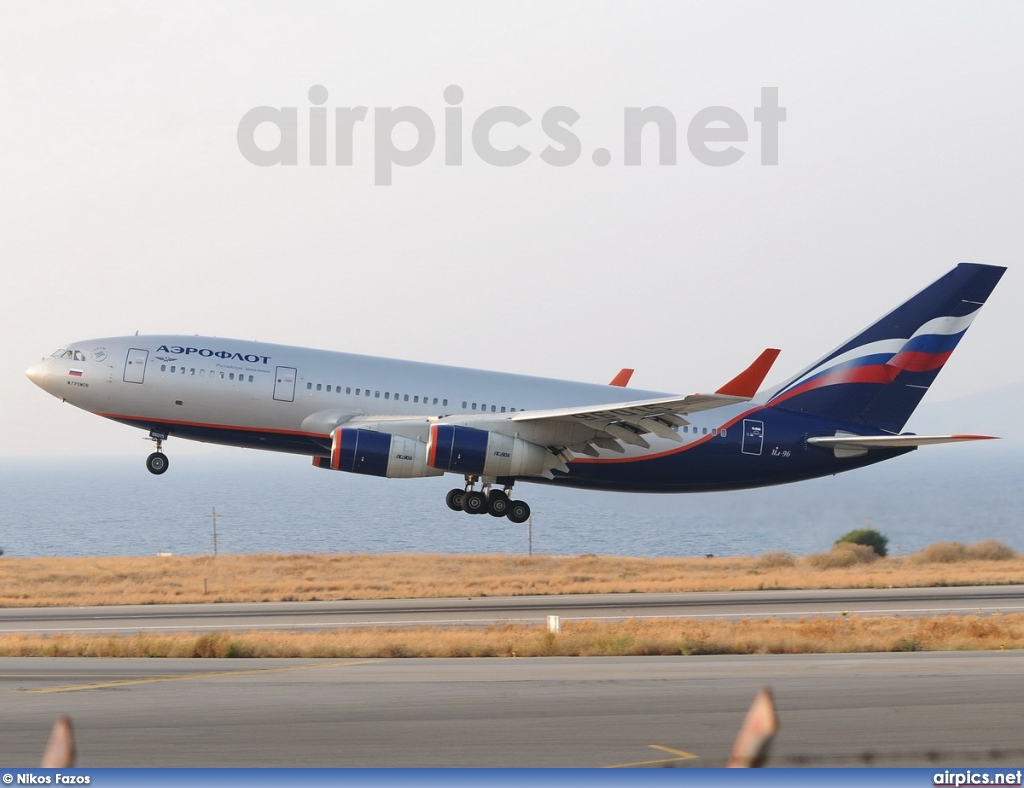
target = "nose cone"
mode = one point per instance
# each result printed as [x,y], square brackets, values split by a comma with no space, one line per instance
[37,374]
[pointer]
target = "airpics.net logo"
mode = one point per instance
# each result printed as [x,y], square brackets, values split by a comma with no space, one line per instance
[711,134]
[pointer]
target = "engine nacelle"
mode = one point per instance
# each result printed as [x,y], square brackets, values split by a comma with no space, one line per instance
[483,453]
[377,454]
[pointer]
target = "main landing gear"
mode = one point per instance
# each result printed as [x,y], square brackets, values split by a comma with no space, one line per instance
[496,503]
[157,463]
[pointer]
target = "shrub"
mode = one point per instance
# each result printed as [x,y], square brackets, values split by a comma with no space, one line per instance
[776,559]
[985,550]
[867,536]
[908,644]
[843,554]
[941,553]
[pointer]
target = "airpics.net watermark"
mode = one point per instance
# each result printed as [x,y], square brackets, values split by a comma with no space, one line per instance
[706,132]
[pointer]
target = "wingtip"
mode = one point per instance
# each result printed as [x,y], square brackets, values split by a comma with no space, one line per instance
[622,378]
[747,383]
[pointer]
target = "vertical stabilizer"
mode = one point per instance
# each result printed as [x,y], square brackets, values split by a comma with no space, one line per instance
[878,377]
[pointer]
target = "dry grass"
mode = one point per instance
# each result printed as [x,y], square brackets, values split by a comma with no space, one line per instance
[842,555]
[38,582]
[584,639]
[942,553]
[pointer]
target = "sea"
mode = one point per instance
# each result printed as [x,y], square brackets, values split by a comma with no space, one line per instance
[269,503]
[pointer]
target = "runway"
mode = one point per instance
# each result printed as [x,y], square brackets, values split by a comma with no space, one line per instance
[912,709]
[483,611]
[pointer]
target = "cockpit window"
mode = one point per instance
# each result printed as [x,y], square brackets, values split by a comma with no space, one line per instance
[71,355]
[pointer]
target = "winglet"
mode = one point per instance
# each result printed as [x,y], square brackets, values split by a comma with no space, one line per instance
[749,380]
[622,379]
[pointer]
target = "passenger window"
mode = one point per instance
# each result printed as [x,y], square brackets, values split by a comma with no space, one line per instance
[465,404]
[387,395]
[250,378]
[474,406]
[376,394]
[714,431]
[319,387]
[416,398]
[163,367]
[406,398]
[348,390]
[502,408]
[367,393]
[435,400]
[446,403]
[705,431]
[494,408]
[309,386]
[202,373]
[722,433]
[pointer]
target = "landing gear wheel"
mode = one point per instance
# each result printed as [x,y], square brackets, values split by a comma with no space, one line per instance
[497,504]
[454,499]
[156,463]
[518,512]
[474,502]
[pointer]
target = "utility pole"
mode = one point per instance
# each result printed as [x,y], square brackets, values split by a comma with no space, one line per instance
[213,519]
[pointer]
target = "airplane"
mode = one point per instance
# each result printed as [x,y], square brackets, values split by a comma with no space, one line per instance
[405,419]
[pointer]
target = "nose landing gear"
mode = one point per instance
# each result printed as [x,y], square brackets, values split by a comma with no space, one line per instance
[496,503]
[157,463]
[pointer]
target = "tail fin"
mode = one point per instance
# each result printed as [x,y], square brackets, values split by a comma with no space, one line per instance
[879,376]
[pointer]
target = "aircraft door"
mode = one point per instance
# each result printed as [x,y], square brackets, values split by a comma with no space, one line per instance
[135,365]
[284,384]
[753,436]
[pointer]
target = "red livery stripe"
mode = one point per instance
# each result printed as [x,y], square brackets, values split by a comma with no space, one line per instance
[873,373]
[916,361]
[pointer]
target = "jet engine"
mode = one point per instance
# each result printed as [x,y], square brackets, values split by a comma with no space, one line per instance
[377,454]
[476,452]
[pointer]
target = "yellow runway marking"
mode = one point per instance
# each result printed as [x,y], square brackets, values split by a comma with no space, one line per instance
[189,677]
[680,756]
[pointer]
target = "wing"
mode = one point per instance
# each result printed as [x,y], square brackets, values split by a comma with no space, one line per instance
[629,421]
[584,430]
[565,432]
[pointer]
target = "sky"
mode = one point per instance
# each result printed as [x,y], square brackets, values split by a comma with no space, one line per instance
[126,203]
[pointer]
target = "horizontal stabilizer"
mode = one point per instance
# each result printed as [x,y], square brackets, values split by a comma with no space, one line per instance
[749,380]
[847,445]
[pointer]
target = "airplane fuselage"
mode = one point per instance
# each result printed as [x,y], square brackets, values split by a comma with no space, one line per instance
[290,399]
